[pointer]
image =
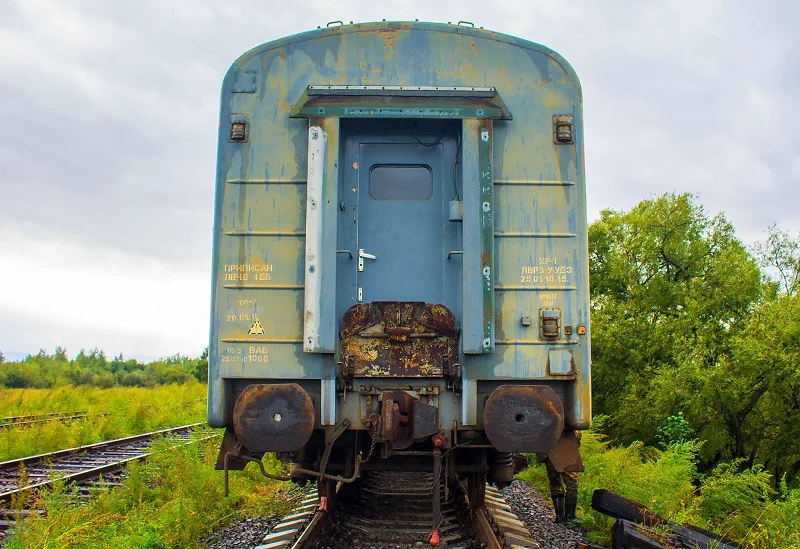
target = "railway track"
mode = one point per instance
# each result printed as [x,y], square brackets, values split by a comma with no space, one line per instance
[24,421]
[390,509]
[83,466]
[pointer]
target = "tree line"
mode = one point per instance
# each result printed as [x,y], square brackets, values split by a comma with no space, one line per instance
[697,337]
[93,368]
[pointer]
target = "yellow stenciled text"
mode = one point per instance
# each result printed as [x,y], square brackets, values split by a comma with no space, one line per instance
[243,272]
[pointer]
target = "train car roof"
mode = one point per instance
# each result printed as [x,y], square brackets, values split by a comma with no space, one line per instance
[391,26]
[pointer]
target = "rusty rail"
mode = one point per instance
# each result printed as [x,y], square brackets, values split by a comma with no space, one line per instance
[21,421]
[79,465]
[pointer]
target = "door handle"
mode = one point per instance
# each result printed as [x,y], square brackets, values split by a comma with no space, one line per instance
[362,255]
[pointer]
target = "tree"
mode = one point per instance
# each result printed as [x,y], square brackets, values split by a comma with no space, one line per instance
[780,256]
[200,370]
[16,379]
[93,368]
[60,354]
[670,284]
[762,386]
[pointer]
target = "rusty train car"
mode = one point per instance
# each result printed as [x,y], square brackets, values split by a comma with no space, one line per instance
[400,271]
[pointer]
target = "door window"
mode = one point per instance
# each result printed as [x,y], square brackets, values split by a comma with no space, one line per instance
[400,182]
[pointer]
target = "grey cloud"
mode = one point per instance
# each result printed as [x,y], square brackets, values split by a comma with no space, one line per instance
[110,109]
[115,104]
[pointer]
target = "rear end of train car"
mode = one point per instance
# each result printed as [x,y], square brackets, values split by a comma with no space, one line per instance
[400,273]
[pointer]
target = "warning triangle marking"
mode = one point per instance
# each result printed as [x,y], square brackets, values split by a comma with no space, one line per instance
[256,328]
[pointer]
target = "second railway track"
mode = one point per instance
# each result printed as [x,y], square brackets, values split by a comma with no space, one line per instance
[20,478]
[36,419]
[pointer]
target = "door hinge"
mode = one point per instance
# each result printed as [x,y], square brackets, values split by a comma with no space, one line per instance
[360,295]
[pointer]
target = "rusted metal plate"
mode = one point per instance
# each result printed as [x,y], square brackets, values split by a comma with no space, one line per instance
[273,418]
[565,455]
[228,445]
[424,419]
[406,419]
[396,425]
[398,339]
[523,418]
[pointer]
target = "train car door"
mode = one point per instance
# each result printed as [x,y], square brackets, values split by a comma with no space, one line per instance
[400,222]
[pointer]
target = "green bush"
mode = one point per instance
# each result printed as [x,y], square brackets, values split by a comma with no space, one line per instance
[731,502]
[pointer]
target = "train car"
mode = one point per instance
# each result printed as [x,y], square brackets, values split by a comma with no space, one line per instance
[400,272]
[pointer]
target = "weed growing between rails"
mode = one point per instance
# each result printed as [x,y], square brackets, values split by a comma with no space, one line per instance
[738,504]
[128,411]
[171,500]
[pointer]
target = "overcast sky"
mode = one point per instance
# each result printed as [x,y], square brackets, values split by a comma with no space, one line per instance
[108,120]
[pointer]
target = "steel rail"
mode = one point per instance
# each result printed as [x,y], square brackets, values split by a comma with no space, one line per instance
[20,421]
[313,529]
[17,419]
[480,522]
[15,463]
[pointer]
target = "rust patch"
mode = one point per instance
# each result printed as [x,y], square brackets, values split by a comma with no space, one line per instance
[565,455]
[523,418]
[390,35]
[398,339]
[357,318]
[395,411]
[273,418]
[405,419]
[439,319]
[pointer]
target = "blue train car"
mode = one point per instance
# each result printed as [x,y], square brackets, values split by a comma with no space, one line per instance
[400,265]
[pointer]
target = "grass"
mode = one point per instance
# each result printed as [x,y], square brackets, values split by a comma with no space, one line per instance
[175,498]
[115,412]
[170,501]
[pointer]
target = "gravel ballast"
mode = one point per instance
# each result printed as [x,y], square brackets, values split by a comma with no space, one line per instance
[530,507]
[537,514]
[245,533]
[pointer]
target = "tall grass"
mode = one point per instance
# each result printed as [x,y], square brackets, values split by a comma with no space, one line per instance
[662,480]
[115,412]
[736,503]
[170,501]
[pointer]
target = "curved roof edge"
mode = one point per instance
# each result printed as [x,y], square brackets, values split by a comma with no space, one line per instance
[412,25]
